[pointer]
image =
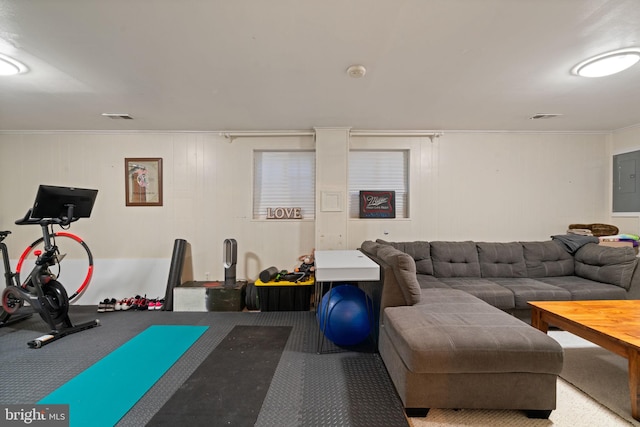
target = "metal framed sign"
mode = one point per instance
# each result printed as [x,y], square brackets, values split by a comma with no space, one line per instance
[377,204]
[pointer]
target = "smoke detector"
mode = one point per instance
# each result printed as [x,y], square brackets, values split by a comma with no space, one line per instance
[356,71]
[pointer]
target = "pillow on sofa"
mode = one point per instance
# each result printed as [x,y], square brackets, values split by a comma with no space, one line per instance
[501,259]
[606,264]
[455,259]
[419,251]
[547,259]
[404,270]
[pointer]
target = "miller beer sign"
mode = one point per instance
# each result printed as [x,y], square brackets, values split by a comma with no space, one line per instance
[377,204]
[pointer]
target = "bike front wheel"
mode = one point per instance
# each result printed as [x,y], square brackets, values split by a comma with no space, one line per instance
[78,268]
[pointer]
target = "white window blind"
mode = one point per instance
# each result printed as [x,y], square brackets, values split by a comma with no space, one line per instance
[383,170]
[284,179]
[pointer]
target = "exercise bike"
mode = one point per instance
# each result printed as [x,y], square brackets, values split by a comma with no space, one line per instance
[41,290]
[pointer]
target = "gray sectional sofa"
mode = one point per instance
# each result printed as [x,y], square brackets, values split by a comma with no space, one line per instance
[451,331]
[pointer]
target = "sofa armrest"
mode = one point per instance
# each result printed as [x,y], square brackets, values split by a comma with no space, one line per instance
[634,288]
[391,295]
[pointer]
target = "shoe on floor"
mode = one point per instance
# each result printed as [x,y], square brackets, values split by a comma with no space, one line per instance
[135,302]
[127,303]
[102,305]
[143,304]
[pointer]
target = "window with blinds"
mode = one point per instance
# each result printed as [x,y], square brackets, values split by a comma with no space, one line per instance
[284,179]
[383,170]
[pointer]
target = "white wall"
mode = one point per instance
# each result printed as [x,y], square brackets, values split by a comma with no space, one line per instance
[497,186]
[480,186]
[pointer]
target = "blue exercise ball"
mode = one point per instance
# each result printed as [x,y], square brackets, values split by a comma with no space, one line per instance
[343,316]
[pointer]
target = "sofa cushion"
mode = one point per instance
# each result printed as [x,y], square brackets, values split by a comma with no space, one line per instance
[457,335]
[455,259]
[547,259]
[501,259]
[526,289]
[606,264]
[428,281]
[421,253]
[404,270]
[483,289]
[585,289]
[437,299]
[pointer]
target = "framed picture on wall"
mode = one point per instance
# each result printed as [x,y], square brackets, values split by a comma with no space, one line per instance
[377,204]
[143,181]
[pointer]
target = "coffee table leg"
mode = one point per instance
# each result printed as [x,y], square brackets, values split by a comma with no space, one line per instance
[634,382]
[537,322]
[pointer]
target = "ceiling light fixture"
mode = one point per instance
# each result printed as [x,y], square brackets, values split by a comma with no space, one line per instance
[607,63]
[10,67]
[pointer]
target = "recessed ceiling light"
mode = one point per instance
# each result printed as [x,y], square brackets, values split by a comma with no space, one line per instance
[9,66]
[607,63]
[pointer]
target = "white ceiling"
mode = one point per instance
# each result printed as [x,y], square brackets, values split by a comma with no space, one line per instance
[210,65]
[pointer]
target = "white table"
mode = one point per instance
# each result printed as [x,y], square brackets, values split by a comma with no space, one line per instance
[342,266]
[345,266]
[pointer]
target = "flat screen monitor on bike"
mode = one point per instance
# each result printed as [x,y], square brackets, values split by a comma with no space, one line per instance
[53,202]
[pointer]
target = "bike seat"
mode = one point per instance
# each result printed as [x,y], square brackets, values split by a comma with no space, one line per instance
[4,234]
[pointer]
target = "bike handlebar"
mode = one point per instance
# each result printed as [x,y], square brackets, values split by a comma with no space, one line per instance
[63,220]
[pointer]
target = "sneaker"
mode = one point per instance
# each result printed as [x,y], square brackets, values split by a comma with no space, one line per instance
[160,304]
[102,306]
[151,305]
[119,304]
[135,302]
[127,303]
[143,304]
[111,305]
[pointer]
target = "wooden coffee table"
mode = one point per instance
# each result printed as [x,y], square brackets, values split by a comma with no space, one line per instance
[614,325]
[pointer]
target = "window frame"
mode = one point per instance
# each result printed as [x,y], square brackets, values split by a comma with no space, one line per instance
[401,194]
[309,207]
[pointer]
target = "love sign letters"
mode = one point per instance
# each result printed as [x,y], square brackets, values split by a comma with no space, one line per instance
[284,213]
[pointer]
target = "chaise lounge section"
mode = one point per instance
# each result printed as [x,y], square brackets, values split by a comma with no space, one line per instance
[449,335]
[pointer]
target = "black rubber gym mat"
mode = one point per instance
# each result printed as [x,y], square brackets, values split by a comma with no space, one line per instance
[336,388]
[230,385]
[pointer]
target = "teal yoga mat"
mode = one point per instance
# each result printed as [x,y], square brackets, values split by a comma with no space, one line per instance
[103,393]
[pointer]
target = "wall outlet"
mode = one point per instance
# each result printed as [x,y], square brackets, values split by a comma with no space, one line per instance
[206,275]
